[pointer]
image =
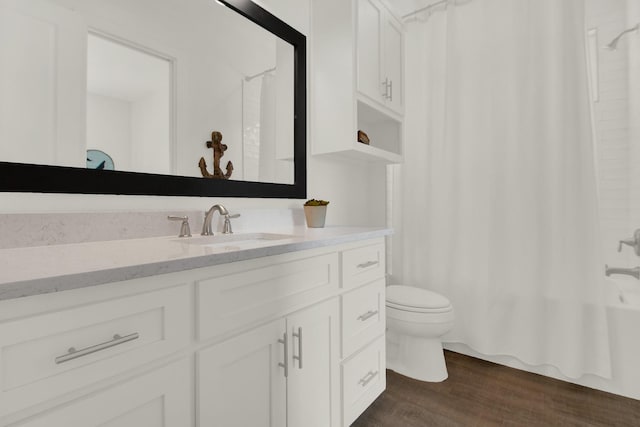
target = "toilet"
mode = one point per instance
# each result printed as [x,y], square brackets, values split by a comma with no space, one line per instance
[416,319]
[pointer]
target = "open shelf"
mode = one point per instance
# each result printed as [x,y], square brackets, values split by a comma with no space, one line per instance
[384,131]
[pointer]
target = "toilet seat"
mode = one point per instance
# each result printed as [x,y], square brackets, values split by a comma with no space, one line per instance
[416,300]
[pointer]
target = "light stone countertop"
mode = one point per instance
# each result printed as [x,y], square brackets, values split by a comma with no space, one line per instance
[43,269]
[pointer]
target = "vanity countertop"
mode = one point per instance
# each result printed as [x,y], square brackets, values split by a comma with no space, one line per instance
[43,269]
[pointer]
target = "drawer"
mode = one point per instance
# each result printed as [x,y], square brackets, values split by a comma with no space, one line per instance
[363,380]
[158,398]
[363,265]
[233,301]
[108,338]
[363,316]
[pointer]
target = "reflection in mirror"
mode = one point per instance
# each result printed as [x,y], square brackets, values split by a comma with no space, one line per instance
[128,106]
[146,82]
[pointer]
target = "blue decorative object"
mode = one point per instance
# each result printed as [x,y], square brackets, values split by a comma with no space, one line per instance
[97,159]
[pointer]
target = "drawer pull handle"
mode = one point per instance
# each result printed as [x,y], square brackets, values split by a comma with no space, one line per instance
[369,314]
[299,356]
[367,264]
[284,341]
[367,378]
[117,340]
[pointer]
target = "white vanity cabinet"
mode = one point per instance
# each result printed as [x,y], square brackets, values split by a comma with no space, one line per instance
[71,344]
[285,373]
[240,381]
[156,399]
[290,340]
[380,55]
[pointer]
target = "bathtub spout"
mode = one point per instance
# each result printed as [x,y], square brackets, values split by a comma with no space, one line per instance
[635,271]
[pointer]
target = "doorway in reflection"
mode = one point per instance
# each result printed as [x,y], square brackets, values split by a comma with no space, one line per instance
[129,106]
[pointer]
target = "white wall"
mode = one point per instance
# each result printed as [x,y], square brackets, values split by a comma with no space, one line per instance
[109,128]
[37,126]
[611,116]
[151,152]
[633,17]
[356,190]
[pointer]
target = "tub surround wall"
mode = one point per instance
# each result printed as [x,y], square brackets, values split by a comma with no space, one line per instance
[614,152]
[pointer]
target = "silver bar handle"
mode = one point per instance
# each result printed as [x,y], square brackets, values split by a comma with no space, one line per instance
[299,356]
[367,264]
[72,353]
[367,378]
[390,90]
[385,85]
[369,314]
[285,365]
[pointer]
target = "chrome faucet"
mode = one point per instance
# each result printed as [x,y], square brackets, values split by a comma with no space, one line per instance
[206,225]
[635,271]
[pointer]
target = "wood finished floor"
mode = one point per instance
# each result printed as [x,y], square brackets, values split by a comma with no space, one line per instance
[480,393]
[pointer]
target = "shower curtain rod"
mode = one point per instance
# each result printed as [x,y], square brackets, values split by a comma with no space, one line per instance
[426,8]
[249,78]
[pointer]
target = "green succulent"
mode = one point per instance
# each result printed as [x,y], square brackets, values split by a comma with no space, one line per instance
[314,202]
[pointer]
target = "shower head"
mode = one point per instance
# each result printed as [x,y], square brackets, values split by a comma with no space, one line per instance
[614,43]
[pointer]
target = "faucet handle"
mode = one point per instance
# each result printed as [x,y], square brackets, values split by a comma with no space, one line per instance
[634,242]
[628,242]
[227,223]
[185,231]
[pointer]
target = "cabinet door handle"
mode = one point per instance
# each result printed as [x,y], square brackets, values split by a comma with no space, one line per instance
[390,90]
[72,353]
[385,85]
[367,378]
[367,264]
[285,365]
[369,314]
[299,356]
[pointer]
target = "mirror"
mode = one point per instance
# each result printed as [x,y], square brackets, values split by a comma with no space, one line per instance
[158,97]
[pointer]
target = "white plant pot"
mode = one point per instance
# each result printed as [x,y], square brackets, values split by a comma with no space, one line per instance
[315,216]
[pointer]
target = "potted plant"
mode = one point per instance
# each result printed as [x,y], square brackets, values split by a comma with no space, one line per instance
[315,212]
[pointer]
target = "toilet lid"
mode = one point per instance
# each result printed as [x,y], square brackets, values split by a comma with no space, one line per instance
[415,299]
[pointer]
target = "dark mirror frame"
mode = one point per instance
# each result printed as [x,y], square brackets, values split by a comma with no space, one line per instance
[30,178]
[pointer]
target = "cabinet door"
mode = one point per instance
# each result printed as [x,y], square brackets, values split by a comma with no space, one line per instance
[370,79]
[313,393]
[161,398]
[393,63]
[241,382]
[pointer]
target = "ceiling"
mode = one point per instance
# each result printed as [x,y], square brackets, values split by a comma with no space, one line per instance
[402,7]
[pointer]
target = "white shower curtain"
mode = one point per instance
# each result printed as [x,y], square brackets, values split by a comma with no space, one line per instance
[498,207]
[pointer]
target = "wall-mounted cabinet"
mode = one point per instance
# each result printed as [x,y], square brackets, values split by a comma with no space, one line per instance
[358,66]
[379,46]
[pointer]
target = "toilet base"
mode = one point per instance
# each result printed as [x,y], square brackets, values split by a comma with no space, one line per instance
[416,357]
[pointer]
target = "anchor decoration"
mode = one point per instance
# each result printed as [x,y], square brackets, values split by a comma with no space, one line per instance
[218,151]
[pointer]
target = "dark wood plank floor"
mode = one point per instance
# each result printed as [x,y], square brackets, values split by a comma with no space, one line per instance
[480,393]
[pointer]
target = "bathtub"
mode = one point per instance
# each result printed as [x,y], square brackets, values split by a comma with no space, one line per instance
[623,315]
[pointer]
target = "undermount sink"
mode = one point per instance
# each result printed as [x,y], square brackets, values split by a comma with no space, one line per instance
[231,242]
